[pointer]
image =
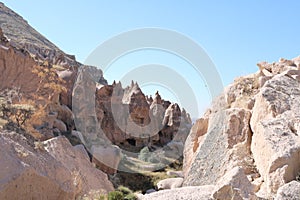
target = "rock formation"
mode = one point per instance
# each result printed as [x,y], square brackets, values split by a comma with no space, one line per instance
[247,144]
[53,169]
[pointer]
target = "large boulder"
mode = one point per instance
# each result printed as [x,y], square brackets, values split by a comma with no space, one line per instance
[170,183]
[289,191]
[226,144]
[276,125]
[78,162]
[33,172]
[234,185]
[191,193]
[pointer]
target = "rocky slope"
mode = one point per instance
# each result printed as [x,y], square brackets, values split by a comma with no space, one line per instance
[36,72]
[247,145]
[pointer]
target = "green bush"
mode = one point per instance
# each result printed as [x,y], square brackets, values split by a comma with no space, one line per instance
[124,190]
[144,154]
[115,195]
[130,197]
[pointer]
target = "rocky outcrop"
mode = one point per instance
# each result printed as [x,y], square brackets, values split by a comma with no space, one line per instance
[253,126]
[275,124]
[23,36]
[234,185]
[16,69]
[225,145]
[77,161]
[289,191]
[50,170]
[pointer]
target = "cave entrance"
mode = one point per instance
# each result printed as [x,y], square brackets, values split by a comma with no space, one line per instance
[131,141]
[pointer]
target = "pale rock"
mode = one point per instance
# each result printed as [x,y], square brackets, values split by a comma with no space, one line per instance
[29,172]
[289,191]
[77,161]
[170,183]
[191,193]
[175,173]
[225,145]
[275,124]
[193,141]
[234,185]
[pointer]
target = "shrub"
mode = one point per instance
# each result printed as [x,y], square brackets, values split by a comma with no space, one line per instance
[17,113]
[144,154]
[49,80]
[115,195]
[124,190]
[130,197]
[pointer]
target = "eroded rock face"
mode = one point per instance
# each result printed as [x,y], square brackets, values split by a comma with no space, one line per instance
[275,124]
[254,126]
[76,159]
[52,171]
[128,119]
[234,185]
[224,145]
[289,191]
[16,69]
[191,193]
[22,36]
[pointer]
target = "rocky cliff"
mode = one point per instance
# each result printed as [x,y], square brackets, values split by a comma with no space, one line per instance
[247,144]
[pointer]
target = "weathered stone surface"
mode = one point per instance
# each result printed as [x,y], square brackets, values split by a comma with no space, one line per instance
[275,124]
[175,173]
[106,157]
[16,70]
[225,145]
[234,185]
[77,161]
[23,36]
[193,141]
[170,183]
[59,125]
[32,173]
[191,193]
[289,191]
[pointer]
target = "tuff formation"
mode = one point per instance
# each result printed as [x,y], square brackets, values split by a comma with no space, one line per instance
[247,144]
[76,101]
[48,170]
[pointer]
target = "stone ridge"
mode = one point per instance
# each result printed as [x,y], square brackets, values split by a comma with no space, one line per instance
[23,36]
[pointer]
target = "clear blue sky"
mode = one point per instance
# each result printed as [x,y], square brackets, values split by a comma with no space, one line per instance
[236,34]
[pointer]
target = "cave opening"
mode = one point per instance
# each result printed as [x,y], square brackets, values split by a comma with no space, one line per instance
[131,141]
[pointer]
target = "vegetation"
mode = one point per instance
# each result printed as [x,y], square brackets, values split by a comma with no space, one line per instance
[48,78]
[17,113]
[115,195]
[122,193]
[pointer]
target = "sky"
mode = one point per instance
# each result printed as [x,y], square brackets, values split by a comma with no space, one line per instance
[234,34]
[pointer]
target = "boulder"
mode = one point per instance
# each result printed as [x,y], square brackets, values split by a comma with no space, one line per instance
[170,183]
[191,193]
[226,144]
[59,125]
[77,161]
[106,157]
[276,124]
[175,173]
[234,185]
[289,191]
[54,172]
